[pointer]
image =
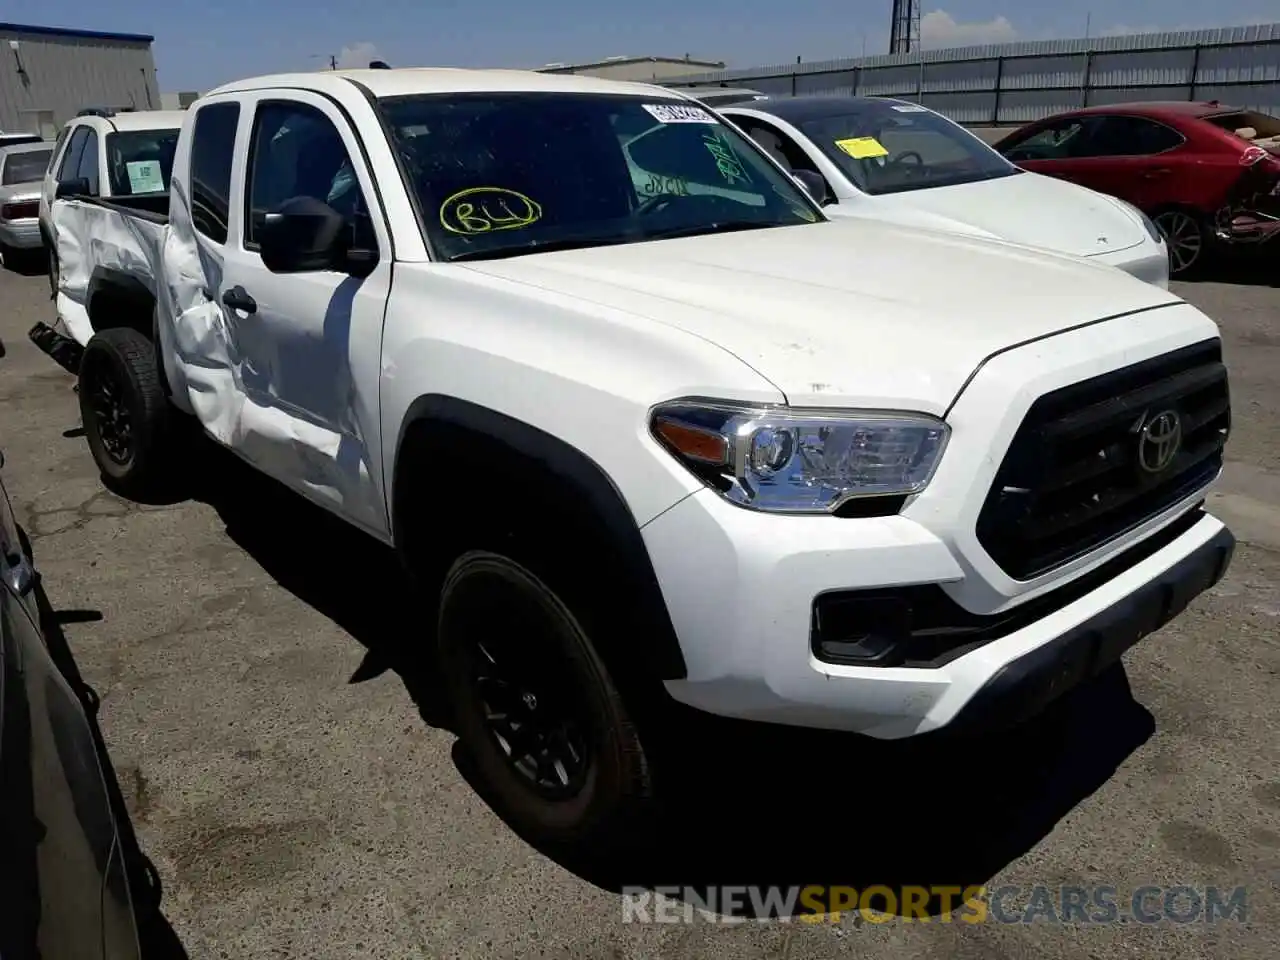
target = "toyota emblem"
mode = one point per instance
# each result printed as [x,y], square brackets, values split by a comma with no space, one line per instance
[1159,441]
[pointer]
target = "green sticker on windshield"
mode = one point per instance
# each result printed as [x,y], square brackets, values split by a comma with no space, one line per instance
[727,162]
[486,209]
[144,176]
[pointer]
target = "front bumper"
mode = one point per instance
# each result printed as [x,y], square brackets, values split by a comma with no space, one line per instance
[741,589]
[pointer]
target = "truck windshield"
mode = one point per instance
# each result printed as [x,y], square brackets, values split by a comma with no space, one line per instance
[140,161]
[884,146]
[504,174]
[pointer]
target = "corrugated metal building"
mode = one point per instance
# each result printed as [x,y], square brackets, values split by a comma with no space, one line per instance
[1016,83]
[48,74]
[639,69]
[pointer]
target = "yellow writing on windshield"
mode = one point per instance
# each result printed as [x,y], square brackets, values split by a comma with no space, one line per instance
[486,209]
[862,148]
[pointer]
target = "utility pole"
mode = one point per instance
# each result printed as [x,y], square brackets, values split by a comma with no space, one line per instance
[333,60]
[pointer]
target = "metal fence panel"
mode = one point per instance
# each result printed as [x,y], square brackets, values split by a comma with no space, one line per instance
[1247,96]
[839,83]
[1257,62]
[961,75]
[1019,82]
[1023,106]
[1028,73]
[969,108]
[1145,68]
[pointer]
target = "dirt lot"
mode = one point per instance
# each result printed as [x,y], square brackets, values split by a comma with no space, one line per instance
[288,774]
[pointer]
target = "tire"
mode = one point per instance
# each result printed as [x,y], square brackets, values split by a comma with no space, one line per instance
[1188,237]
[486,602]
[128,427]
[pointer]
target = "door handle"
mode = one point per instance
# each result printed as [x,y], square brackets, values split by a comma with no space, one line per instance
[237,298]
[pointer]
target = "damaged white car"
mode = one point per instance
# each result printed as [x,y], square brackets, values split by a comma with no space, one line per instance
[652,438]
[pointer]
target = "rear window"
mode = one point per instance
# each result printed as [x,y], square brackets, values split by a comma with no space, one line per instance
[140,161]
[1247,124]
[26,167]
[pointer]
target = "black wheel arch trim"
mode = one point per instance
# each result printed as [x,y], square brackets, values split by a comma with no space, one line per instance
[124,285]
[661,656]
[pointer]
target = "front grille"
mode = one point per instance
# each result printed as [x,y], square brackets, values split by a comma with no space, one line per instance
[1079,473]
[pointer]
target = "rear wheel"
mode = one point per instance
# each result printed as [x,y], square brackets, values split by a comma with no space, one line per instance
[1187,236]
[124,411]
[537,711]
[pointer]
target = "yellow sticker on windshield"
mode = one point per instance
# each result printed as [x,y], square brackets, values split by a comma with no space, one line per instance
[485,209]
[862,148]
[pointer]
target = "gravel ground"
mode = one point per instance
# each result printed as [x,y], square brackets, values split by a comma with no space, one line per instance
[288,773]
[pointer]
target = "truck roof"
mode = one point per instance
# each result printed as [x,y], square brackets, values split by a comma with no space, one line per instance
[136,120]
[426,80]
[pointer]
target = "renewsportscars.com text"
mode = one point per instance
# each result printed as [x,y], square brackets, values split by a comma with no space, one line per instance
[937,904]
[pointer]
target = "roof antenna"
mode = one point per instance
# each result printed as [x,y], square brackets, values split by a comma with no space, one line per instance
[379,65]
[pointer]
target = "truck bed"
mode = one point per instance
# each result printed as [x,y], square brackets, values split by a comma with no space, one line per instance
[104,241]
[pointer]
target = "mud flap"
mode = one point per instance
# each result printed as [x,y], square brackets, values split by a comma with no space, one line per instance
[65,352]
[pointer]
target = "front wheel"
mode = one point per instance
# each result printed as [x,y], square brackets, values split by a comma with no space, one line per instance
[537,711]
[124,411]
[1188,238]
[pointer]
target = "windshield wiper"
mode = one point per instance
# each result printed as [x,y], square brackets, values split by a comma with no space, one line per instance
[546,246]
[730,226]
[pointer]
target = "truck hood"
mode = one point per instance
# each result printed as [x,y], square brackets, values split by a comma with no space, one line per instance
[1026,208]
[846,312]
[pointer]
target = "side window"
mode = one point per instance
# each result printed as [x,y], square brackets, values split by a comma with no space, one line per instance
[778,145]
[71,158]
[213,143]
[63,134]
[88,167]
[1053,142]
[1132,137]
[296,151]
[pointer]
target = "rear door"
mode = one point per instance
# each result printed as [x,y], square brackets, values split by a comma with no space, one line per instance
[309,344]
[1133,158]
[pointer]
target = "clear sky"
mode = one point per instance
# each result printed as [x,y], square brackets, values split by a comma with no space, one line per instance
[200,43]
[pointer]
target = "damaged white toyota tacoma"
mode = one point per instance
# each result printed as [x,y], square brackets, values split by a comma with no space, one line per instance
[641,420]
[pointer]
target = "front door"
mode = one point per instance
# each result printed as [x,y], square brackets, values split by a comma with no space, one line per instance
[307,346]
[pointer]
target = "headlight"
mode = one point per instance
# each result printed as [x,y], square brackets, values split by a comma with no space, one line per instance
[1147,222]
[784,460]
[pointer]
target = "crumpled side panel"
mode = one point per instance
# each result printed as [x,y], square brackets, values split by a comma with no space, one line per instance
[90,236]
[204,367]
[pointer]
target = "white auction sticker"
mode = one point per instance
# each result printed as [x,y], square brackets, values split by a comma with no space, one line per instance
[678,113]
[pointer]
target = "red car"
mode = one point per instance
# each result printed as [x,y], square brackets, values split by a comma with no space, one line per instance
[1207,174]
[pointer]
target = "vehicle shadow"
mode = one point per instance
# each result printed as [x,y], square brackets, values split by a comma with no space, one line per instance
[27,263]
[349,577]
[157,938]
[749,805]
[773,807]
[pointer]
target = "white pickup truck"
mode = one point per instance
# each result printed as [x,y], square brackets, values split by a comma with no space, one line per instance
[644,424]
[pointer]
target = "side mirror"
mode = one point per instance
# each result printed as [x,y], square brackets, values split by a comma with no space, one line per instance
[303,235]
[812,184]
[75,187]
